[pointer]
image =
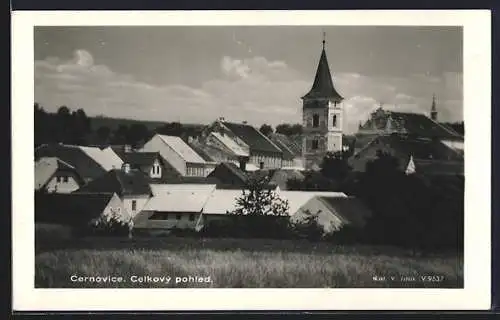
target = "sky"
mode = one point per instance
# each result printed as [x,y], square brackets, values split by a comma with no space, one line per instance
[196,74]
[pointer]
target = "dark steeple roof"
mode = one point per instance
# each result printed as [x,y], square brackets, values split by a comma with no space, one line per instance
[323,84]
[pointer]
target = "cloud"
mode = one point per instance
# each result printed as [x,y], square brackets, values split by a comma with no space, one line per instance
[255,89]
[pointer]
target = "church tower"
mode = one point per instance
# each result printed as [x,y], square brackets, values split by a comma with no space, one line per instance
[434,113]
[322,116]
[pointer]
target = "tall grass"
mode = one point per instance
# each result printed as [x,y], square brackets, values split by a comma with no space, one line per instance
[235,268]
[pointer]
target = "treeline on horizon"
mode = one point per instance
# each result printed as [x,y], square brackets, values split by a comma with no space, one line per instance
[75,127]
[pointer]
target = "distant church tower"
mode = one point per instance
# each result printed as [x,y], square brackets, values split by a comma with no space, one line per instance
[434,113]
[322,115]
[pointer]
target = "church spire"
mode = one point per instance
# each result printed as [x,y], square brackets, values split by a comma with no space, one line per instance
[433,108]
[323,83]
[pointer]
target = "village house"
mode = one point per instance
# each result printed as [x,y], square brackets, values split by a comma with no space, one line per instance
[334,212]
[179,155]
[292,152]
[246,143]
[174,206]
[149,163]
[77,210]
[89,162]
[54,175]
[131,185]
[229,174]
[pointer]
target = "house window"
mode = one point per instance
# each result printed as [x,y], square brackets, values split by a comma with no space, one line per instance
[261,164]
[58,179]
[65,179]
[316,120]
[134,205]
[178,216]
[315,144]
[334,120]
[191,217]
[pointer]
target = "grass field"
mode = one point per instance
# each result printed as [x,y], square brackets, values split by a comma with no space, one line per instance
[239,263]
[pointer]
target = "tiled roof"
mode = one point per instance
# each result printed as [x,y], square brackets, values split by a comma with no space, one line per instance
[45,168]
[252,137]
[297,199]
[222,201]
[71,208]
[350,210]
[430,156]
[288,146]
[203,151]
[141,158]
[230,144]
[323,83]
[420,148]
[229,173]
[175,198]
[107,158]
[421,125]
[86,166]
[182,149]
[412,123]
[120,182]
[440,167]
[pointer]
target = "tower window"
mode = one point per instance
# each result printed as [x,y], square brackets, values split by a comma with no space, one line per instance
[334,120]
[315,120]
[315,144]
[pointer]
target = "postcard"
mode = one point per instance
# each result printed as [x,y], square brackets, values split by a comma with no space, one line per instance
[251,160]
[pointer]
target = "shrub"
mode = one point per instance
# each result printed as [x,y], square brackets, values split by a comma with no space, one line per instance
[309,228]
[112,224]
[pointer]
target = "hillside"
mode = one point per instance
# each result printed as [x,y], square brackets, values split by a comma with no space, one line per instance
[114,123]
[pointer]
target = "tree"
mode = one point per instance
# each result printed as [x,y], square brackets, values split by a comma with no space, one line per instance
[296,129]
[309,227]
[120,135]
[111,224]
[63,111]
[103,133]
[137,134]
[289,129]
[79,126]
[313,181]
[266,129]
[335,166]
[258,199]
[260,212]
[171,129]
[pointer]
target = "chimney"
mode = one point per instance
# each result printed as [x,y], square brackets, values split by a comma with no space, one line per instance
[126,167]
[245,122]
[127,148]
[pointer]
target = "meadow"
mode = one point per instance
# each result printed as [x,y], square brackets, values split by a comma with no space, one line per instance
[238,263]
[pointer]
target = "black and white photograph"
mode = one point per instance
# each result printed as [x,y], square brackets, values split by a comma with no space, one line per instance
[249,156]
